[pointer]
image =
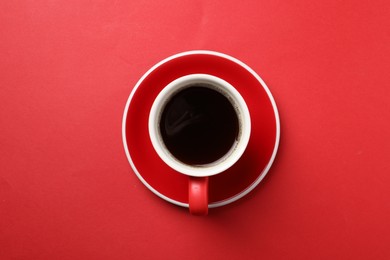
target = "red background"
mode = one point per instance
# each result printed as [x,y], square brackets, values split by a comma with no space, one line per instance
[67,190]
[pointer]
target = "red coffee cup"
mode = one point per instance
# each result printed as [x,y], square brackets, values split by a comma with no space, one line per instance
[199,125]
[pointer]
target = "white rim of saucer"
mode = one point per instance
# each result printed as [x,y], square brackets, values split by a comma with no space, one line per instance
[262,83]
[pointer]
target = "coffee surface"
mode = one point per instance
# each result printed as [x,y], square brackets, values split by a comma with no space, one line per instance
[199,125]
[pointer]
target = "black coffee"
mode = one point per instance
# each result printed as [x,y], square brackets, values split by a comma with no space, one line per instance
[199,125]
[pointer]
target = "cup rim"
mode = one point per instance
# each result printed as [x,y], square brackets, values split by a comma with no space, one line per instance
[226,161]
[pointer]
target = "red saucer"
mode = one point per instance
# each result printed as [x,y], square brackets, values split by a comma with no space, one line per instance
[254,163]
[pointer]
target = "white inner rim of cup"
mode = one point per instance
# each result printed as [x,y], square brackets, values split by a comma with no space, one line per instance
[235,99]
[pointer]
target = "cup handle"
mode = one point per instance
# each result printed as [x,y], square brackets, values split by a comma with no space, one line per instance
[198,195]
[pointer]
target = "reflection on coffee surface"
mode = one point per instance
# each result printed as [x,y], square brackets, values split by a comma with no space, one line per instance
[199,125]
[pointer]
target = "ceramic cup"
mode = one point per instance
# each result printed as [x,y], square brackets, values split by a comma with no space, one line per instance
[199,125]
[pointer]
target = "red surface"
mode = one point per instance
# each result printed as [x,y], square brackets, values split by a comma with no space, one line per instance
[67,190]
